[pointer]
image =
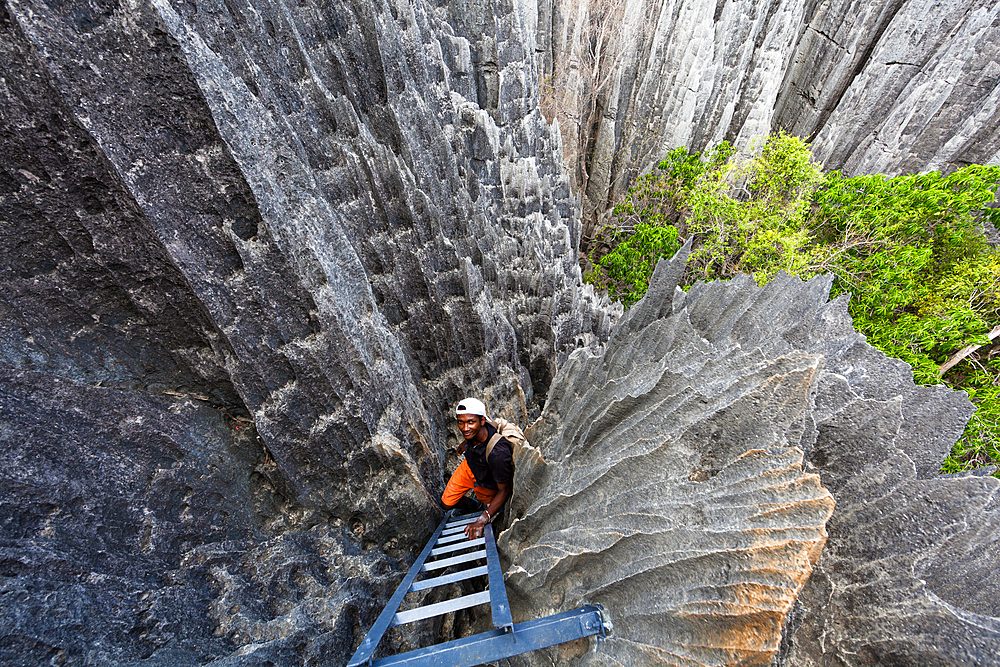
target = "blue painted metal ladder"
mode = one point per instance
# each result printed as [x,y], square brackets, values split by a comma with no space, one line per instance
[505,641]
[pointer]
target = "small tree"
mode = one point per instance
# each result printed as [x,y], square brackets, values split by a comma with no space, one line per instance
[924,283]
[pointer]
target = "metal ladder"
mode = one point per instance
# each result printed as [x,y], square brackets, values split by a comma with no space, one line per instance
[505,641]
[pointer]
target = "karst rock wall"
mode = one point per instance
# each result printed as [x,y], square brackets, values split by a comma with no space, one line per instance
[889,86]
[320,218]
[252,254]
[685,480]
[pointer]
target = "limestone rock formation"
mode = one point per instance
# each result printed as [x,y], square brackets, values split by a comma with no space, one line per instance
[139,527]
[917,90]
[886,86]
[252,254]
[299,215]
[678,480]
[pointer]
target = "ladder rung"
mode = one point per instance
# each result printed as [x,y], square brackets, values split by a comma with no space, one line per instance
[451,538]
[452,526]
[440,608]
[449,578]
[458,546]
[454,560]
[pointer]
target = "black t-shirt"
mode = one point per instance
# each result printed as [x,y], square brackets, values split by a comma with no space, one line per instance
[501,463]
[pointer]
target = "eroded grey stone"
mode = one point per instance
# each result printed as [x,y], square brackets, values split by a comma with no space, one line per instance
[298,214]
[336,218]
[892,86]
[650,455]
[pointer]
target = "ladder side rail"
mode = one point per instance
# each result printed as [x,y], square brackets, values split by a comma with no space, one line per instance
[374,636]
[498,589]
[494,645]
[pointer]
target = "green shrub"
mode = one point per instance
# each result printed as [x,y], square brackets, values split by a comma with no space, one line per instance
[626,271]
[910,250]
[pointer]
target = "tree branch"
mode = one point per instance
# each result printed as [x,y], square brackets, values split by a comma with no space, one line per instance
[964,352]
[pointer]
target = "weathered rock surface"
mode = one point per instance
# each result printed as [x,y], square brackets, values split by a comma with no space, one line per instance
[253,252]
[267,177]
[141,527]
[669,486]
[918,89]
[302,216]
[886,86]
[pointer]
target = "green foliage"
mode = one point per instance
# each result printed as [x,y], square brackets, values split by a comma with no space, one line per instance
[748,214]
[643,232]
[628,269]
[910,250]
[979,444]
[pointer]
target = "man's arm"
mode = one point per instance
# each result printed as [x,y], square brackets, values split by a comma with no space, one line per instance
[478,527]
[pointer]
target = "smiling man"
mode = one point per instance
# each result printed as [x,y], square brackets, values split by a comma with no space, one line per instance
[487,469]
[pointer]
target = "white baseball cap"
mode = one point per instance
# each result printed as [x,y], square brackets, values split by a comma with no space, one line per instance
[471,406]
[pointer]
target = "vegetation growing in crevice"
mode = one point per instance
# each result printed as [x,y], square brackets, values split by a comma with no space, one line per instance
[911,250]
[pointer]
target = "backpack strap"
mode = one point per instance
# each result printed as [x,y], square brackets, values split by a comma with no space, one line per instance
[490,444]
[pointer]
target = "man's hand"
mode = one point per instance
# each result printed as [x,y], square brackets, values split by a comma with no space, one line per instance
[461,448]
[477,528]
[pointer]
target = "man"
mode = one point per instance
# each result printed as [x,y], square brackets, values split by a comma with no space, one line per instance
[490,480]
